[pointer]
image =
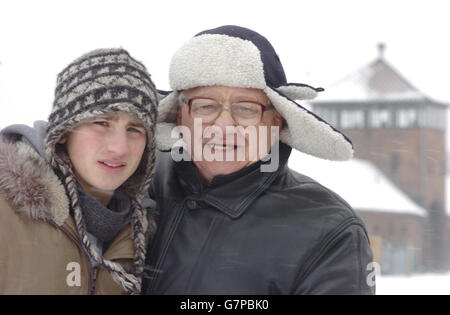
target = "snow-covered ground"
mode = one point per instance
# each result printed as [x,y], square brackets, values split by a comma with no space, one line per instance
[423,284]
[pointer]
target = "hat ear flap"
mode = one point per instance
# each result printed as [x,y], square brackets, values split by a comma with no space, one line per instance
[161,94]
[297,91]
[307,132]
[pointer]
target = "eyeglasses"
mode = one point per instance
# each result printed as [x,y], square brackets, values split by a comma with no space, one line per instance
[245,113]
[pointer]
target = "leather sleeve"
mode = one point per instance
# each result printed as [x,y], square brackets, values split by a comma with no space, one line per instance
[338,265]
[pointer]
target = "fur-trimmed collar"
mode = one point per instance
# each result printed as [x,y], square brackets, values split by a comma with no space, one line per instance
[30,183]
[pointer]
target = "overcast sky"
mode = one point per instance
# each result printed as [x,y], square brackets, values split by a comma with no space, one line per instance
[319,42]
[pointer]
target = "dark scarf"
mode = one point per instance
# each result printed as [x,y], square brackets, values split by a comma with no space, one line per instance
[105,222]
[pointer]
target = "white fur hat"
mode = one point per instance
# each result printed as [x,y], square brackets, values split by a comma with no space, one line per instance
[239,57]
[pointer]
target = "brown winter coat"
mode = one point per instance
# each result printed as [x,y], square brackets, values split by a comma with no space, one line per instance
[40,250]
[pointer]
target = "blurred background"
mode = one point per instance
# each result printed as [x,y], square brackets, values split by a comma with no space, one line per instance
[384,66]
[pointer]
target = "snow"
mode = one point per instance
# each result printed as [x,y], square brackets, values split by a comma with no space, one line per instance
[422,284]
[375,82]
[359,182]
[354,92]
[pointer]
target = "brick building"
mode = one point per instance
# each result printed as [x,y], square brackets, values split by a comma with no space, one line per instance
[403,132]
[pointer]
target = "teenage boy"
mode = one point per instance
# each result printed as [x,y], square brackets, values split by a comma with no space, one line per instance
[71,213]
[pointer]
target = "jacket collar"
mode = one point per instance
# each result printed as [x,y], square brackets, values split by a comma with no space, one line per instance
[232,193]
[30,183]
[121,247]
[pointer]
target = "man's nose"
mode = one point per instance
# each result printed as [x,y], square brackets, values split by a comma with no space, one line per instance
[117,142]
[225,118]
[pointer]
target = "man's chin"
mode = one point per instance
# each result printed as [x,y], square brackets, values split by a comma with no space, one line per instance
[214,168]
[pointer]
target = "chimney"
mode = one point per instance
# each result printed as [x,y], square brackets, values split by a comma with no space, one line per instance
[381,49]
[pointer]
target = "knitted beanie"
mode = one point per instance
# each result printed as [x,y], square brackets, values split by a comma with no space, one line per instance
[101,83]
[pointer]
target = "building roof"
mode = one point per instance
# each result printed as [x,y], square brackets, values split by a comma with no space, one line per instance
[358,182]
[377,82]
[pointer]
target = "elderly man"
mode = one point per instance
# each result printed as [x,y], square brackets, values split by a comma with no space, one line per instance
[234,219]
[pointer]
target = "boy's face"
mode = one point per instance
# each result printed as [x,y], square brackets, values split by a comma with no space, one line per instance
[105,152]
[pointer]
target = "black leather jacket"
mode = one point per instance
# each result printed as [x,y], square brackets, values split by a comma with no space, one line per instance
[253,233]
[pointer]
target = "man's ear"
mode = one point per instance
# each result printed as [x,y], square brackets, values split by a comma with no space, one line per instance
[278,120]
[179,116]
[62,140]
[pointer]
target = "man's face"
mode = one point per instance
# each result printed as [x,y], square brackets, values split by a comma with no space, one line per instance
[238,137]
[105,152]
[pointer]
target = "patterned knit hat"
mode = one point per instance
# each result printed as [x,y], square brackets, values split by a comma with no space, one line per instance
[98,84]
[239,57]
